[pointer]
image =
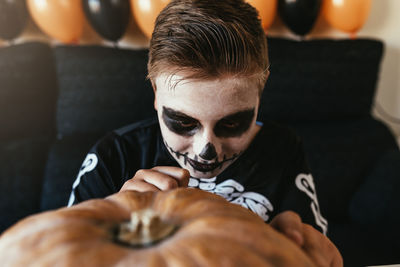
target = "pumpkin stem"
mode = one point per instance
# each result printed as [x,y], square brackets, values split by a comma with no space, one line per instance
[145,228]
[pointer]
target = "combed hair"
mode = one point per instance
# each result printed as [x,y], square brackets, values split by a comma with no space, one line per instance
[209,39]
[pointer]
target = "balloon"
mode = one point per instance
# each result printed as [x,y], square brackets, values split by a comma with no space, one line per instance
[61,19]
[299,15]
[346,15]
[13,18]
[109,18]
[146,12]
[267,10]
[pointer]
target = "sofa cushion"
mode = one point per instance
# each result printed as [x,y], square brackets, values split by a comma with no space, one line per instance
[321,80]
[378,198]
[28,91]
[101,89]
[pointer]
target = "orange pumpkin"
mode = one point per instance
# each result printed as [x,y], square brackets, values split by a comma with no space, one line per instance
[182,227]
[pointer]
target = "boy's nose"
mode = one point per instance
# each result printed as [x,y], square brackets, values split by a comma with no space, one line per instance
[208,152]
[205,145]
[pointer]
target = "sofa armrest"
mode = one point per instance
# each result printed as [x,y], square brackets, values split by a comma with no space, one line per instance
[377,200]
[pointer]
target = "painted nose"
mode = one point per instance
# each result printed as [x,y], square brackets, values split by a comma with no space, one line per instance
[208,152]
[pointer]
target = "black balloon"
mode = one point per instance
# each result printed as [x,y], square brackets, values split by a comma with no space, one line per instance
[299,15]
[109,18]
[13,18]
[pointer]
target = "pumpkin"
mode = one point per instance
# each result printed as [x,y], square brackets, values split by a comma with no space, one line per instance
[181,227]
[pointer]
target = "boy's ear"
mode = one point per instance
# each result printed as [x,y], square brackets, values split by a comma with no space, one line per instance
[155,102]
[155,95]
[267,74]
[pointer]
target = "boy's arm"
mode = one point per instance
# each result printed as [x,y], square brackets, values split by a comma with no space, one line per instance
[101,172]
[300,193]
[300,218]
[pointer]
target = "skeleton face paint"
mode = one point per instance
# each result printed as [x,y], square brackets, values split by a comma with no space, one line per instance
[206,124]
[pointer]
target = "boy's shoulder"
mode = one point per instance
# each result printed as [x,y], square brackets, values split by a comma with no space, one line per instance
[144,126]
[134,132]
[278,133]
[274,140]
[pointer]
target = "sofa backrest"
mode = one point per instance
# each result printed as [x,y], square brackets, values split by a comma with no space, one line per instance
[100,88]
[27,91]
[320,80]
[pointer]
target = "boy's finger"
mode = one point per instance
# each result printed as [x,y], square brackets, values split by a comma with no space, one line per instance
[160,180]
[181,175]
[289,223]
[139,186]
[320,248]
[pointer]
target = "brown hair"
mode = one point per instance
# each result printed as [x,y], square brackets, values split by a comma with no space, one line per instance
[209,38]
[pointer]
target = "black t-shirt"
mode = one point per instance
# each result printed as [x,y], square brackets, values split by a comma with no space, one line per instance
[271,176]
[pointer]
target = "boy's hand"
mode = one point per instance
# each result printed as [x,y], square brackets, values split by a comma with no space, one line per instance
[160,178]
[317,246]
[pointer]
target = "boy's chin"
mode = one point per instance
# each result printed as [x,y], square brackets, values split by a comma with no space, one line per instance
[204,175]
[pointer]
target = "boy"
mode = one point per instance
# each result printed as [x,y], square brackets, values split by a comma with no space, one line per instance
[208,64]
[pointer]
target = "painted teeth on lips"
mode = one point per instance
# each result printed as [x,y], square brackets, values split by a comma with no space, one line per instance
[203,167]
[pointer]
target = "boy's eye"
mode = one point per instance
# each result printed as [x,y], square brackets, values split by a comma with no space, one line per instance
[179,123]
[234,125]
[229,124]
[186,123]
[181,127]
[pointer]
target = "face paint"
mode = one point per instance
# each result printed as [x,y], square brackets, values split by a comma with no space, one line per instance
[201,167]
[208,152]
[234,125]
[230,126]
[206,124]
[178,122]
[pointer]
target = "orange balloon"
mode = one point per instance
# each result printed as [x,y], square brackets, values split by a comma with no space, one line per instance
[267,10]
[346,15]
[61,19]
[145,13]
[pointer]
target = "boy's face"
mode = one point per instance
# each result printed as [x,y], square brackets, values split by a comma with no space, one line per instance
[206,124]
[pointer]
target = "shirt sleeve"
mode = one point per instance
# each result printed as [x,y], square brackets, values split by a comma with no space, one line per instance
[101,173]
[301,192]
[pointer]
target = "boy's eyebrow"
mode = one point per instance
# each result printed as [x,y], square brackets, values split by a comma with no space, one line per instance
[174,113]
[242,114]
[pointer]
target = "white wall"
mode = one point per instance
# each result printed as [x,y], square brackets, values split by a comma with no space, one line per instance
[383,23]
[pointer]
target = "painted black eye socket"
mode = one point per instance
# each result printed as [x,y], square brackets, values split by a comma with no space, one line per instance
[179,123]
[229,124]
[181,127]
[186,123]
[234,125]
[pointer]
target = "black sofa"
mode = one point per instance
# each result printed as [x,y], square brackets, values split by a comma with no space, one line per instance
[57,101]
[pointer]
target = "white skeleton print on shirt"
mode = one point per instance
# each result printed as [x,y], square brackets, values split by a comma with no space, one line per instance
[306,184]
[234,193]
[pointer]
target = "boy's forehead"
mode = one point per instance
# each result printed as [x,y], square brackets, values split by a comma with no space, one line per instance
[169,82]
[205,98]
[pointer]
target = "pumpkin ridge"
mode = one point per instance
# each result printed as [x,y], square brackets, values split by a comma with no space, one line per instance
[212,251]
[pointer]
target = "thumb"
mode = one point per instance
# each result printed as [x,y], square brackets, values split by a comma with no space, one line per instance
[180,175]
